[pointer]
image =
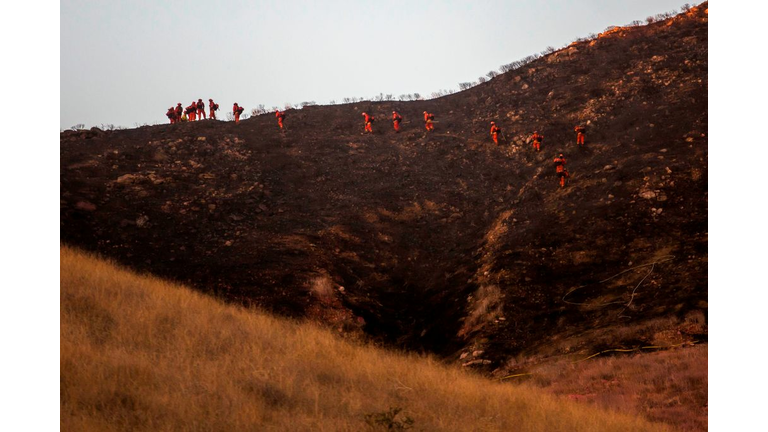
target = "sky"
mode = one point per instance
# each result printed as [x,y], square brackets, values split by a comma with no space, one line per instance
[125,63]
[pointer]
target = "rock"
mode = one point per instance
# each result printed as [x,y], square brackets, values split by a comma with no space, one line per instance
[201,138]
[477,353]
[648,194]
[142,220]
[262,207]
[476,362]
[463,355]
[85,205]
[128,179]
[155,179]
[228,243]
[610,196]
[661,197]
[658,211]
[524,87]
[609,168]
[86,164]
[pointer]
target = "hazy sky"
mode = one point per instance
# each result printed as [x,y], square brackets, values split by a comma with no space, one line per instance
[126,62]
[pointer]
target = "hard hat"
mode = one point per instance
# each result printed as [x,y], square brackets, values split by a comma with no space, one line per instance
[363,114]
[393,112]
[493,122]
[425,112]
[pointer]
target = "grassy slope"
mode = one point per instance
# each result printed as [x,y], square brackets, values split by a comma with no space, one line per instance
[668,386]
[138,353]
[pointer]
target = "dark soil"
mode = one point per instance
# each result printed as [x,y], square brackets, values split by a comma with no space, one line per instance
[438,242]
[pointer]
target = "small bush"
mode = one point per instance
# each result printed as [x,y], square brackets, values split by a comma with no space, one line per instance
[388,420]
[259,110]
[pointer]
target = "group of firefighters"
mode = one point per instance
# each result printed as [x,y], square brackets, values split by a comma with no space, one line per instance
[429,120]
[196,111]
[535,139]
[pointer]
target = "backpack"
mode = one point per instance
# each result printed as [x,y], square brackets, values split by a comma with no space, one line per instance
[370,119]
[200,105]
[215,107]
[431,117]
[240,110]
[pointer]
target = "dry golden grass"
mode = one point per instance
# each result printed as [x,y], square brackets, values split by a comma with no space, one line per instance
[668,386]
[138,353]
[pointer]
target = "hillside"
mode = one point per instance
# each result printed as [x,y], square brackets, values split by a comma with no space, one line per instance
[439,243]
[138,353]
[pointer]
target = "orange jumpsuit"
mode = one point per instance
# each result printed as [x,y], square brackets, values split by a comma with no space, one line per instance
[191,110]
[368,122]
[495,131]
[428,121]
[179,112]
[536,139]
[562,173]
[396,119]
[580,134]
[200,109]
[236,110]
[212,107]
[280,116]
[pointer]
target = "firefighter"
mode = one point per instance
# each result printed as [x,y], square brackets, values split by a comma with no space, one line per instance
[191,110]
[536,139]
[237,110]
[562,173]
[581,133]
[280,116]
[495,132]
[368,122]
[171,114]
[428,119]
[200,109]
[212,107]
[396,119]
[179,111]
